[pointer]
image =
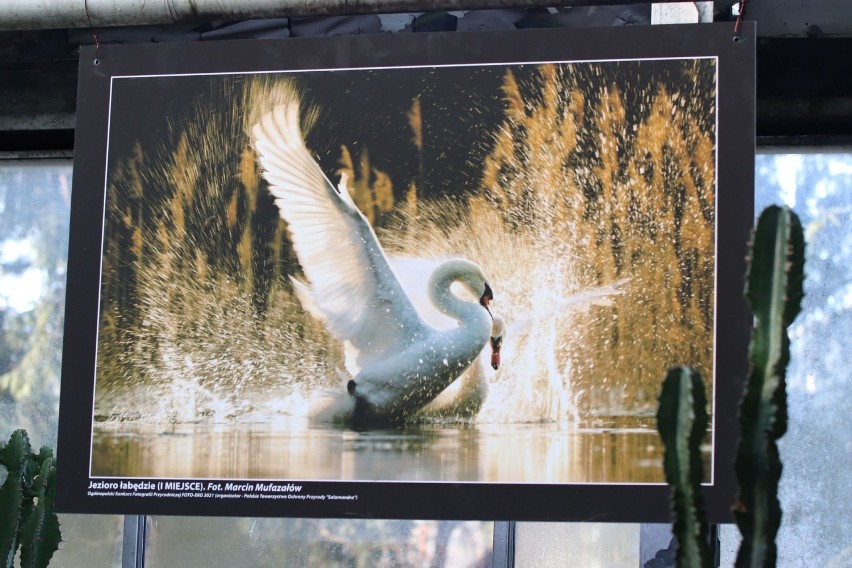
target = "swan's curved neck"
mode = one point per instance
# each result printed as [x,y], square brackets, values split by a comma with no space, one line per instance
[448,303]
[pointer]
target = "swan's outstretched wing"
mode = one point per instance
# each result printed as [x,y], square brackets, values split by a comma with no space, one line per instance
[351,281]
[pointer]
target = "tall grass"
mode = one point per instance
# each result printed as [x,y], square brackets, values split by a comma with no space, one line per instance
[628,195]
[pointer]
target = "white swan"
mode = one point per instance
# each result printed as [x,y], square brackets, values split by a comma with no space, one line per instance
[399,362]
[465,396]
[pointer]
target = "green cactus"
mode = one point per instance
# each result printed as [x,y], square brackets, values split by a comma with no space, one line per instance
[27,519]
[682,423]
[774,289]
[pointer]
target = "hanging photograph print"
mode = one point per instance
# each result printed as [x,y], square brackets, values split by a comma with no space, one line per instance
[414,276]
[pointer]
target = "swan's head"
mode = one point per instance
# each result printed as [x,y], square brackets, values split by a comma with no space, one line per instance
[486,297]
[498,328]
[465,272]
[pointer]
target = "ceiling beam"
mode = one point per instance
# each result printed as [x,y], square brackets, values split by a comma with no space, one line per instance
[43,15]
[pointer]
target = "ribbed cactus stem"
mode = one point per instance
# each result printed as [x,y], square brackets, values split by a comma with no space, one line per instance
[40,535]
[27,518]
[774,291]
[13,457]
[682,423]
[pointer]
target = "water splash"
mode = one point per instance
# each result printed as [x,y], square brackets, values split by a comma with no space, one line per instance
[536,293]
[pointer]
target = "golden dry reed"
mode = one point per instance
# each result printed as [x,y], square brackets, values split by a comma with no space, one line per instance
[636,201]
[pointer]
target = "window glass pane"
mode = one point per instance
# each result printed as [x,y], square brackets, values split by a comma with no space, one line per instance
[34,210]
[89,541]
[816,528]
[176,541]
[580,545]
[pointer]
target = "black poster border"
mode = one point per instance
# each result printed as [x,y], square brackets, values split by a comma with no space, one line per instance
[79,493]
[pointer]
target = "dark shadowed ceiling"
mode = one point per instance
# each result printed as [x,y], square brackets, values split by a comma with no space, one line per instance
[804,68]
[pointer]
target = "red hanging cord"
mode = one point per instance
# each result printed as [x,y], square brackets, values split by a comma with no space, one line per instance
[94,35]
[740,16]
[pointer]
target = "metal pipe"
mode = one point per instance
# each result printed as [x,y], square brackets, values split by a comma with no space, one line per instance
[52,14]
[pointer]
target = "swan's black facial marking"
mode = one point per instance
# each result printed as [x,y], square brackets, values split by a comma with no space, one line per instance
[350,387]
[486,297]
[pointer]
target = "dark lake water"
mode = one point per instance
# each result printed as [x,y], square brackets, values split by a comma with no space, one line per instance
[621,450]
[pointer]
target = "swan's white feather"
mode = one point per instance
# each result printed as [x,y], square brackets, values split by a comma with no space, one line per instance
[351,282]
[400,361]
[306,298]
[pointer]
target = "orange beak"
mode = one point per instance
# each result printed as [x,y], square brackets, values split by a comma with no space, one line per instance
[496,344]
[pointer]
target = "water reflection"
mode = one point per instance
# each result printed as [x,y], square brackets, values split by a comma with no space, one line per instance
[624,450]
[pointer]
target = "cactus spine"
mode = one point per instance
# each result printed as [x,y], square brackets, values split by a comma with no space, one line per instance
[27,519]
[774,289]
[682,423]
